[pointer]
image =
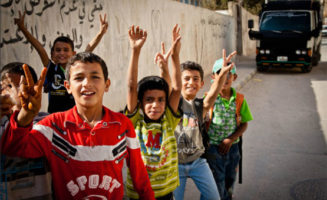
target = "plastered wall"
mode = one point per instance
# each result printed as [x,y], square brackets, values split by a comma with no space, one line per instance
[204,34]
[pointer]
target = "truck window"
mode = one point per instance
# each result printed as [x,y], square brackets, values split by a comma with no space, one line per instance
[285,21]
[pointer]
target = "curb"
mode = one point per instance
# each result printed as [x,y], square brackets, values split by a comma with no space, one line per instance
[245,80]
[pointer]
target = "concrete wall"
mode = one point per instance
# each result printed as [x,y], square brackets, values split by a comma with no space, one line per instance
[249,46]
[204,34]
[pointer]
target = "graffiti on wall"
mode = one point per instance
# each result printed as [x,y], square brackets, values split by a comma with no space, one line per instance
[67,9]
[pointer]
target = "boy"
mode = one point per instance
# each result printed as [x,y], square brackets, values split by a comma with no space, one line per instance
[229,119]
[20,178]
[61,51]
[86,145]
[154,113]
[191,137]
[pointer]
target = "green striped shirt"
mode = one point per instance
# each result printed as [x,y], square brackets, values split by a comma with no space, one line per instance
[159,152]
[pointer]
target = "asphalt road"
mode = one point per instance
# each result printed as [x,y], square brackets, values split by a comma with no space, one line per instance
[284,148]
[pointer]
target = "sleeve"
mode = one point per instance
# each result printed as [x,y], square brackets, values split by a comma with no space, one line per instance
[172,117]
[22,141]
[134,116]
[138,172]
[245,112]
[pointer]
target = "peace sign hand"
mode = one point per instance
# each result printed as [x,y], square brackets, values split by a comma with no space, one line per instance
[30,96]
[104,24]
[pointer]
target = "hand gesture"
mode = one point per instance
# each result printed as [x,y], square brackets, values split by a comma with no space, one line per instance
[104,24]
[226,68]
[162,58]
[20,20]
[30,92]
[176,44]
[137,37]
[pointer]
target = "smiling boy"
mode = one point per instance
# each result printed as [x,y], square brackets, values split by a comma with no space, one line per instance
[86,145]
[191,136]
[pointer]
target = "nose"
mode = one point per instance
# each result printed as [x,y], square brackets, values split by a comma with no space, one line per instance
[155,104]
[86,82]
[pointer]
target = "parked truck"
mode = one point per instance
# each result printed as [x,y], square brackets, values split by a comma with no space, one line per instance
[289,34]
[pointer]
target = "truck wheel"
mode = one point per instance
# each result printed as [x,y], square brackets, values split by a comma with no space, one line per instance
[260,68]
[307,68]
[315,60]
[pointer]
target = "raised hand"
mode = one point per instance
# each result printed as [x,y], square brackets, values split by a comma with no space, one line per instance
[226,68]
[30,92]
[162,58]
[176,44]
[20,20]
[104,24]
[137,37]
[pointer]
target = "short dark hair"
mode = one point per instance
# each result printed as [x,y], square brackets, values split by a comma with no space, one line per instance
[63,39]
[17,68]
[151,83]
[190,65]
[87,57]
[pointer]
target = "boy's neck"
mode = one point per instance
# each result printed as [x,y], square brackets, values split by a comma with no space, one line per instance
[226,93]
[61,65]
[188,97]
[90,115]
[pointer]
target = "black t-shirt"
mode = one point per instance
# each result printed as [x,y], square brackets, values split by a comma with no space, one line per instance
[59,99]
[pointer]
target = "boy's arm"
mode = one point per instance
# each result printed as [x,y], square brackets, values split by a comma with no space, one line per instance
[35,43]
[16,141]
[136,166]
[218,83]
[137,37]
[103,29]
[228,142]
[176,82]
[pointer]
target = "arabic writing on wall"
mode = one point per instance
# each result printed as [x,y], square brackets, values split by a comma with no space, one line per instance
[67,9]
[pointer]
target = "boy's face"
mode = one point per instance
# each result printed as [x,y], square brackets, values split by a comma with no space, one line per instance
[154,103]
[191,83]
[87,84]
[61,53]
[10,87]
[229,81]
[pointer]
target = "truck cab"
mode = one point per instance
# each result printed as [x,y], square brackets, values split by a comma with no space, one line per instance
[289,35]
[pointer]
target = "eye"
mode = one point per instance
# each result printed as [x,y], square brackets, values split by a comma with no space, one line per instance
[96,77]
[148,99]
[78,78]
[162,99]
[186,78]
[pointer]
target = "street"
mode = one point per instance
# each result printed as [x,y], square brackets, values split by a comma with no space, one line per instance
[284,147]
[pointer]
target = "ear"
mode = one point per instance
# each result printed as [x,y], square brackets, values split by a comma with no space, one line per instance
[108,82]
[74,53]
[202,84]
[67,86]
[235,77]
